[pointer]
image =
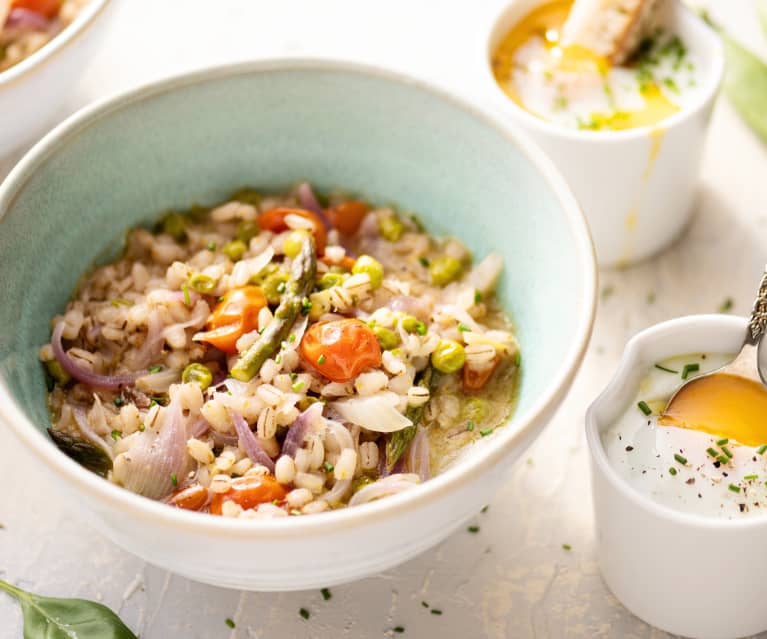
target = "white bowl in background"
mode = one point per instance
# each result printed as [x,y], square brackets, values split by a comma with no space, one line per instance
[32,91]
[637,187]
[687,574]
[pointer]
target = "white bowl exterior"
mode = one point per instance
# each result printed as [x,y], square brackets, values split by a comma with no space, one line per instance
[31,97]
[688,575]
[636,187]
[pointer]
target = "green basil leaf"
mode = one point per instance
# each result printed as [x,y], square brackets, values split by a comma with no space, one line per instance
[53,618]
[745,84]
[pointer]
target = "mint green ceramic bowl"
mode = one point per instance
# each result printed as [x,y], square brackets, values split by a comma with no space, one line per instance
[197,137]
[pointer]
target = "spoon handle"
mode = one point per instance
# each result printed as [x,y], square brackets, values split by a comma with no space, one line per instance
[758,321]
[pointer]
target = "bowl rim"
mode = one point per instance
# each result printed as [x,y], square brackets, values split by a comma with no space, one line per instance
[630,360]
[707,36]
[56,45]
[159,514]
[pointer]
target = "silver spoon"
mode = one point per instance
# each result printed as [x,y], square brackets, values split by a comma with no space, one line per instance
[746,362]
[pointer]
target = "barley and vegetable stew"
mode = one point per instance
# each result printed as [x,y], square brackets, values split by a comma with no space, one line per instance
[275,356]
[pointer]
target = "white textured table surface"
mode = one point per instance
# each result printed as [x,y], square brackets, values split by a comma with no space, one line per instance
[512,578]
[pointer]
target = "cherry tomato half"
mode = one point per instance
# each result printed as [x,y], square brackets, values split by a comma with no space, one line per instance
[234,316]
[274,220]
[340,349]
[192,497]
[476,380]
[48,8]
[348,216]
[249,492]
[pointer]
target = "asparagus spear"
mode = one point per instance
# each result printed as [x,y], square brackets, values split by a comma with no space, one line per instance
[293,301]
[84,453]
[400,440]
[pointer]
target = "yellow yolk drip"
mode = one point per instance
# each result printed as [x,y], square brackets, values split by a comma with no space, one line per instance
[722,405]
[545,22]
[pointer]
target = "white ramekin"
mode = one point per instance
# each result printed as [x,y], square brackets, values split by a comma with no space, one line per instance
[690,575]
[637,187]
[32,91]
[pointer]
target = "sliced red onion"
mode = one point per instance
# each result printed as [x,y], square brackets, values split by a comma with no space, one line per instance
[310,203]
[391,485]
[418,455]
[81,419]
[26,19]
[198,427]
[222,439]
[249,442]
[153,342]
[157,461]
[110,382]
[296,434]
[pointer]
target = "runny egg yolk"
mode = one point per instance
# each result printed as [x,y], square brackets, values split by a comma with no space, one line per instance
[573,65]
[723,405]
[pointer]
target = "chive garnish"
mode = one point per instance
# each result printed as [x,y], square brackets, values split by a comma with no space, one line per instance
[173,479]
[733,488]
[723,459]
[680,459]
[463,328]
[141,427]
[486,431]
[292,338]
[726,305]
[473,529]
[726,451]
[228,621]
[750,477]
[116,434]
[321,359]
[399,629]
[477,296]
[118,401]
[328,466]
[712,452]
[278,359]
[484,509]
[722,442]
[470,426]
[325,594]
[187,298]
[281,287]
[306,306]
[423,261]
[660,367]
[155,369]
[567,547]
[211,246]
[761,449]
[689,368]
[672,471]
[644,407]
[424,604]
[303,612]
[297,386]
[436,611]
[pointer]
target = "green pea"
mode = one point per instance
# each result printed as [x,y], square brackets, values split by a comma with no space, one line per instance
[448,357]
[328,280]
[413,325]
[444,270]
[294,242]
[371,266]
[202,284]
[235,249]
[476,409]
[174,224]
[247,196]
[387,338]
[274,286]
[199,374]
[57,372]
[391,228]
[246,231]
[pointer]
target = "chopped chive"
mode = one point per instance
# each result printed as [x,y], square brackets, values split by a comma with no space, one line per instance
[726,451]
[297,386]
[733,488]
[399,629]
[722,442]
[141,427]
[463,328]
[424,604]
[761,450]
[726,305]
[644,407]
[278,359]
[672,471]
[566,547]
[484,509]
[486,431]
[303,612]
[328,466]
[470,426]
[420,328]
[326,593]
[229,622]
[477,296]
[292,338]
[680,459]
[281,287]
[689,368]
[306,306]
[173,479]
[118,401]
[155,369]
[211,246]
[187,298]
[712,452]
[423,261]
[116,434]
[750,477]
[153,402]
[667,370]
[473,529]
[293,377]
[436,611]
[723,459]
[518,359]
[321,359]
